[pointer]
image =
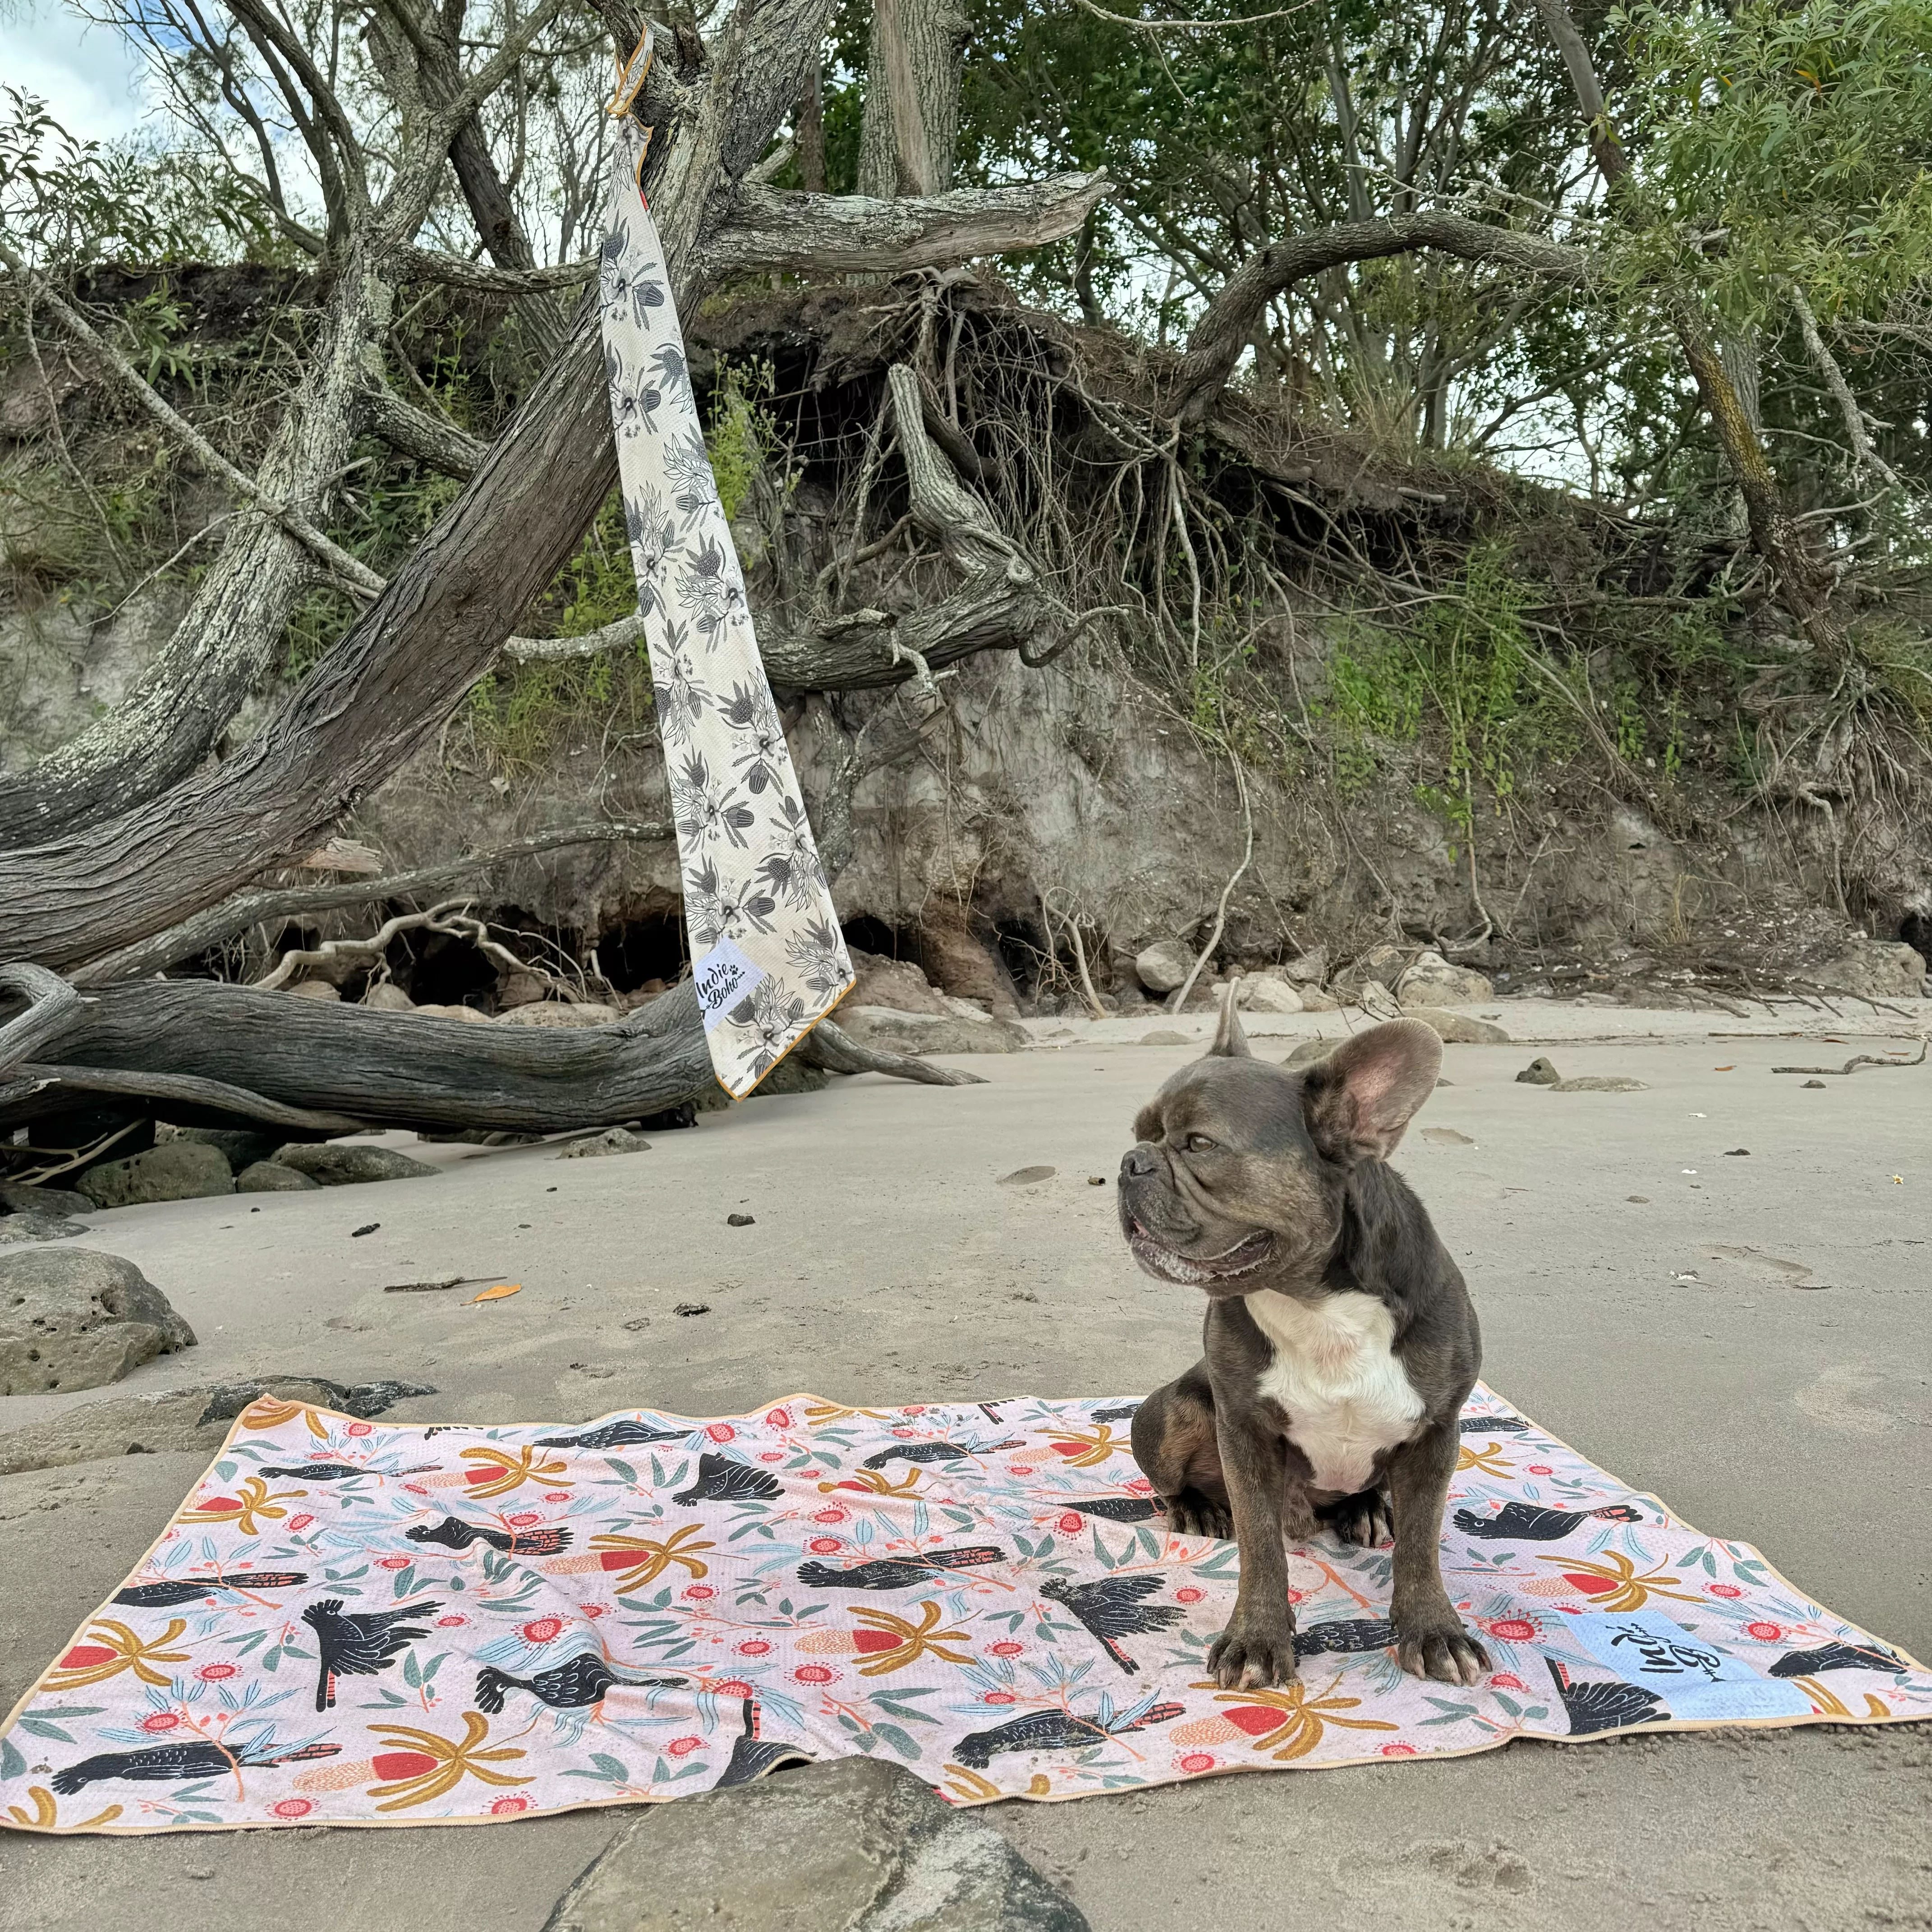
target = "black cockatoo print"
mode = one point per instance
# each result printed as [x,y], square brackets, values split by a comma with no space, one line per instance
[722,1479]
[585,1679]
[1525,1523]
[453,1535]
[753,1756]
[1052,1730]
[1491,1425]
[614,1436]
[931,1452]
[1122,1411]
[1604,1707]
[897,1573]
[185,1589]
[359,1644]
[1836,1656]
[1112,1608]
[195,1758]
[1113,1509]
[1345,1637]
[319,1472]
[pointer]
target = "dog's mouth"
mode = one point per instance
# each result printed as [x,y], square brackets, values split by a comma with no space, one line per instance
[1166,1263]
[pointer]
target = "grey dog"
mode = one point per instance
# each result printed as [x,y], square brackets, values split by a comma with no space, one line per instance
[1340,1343]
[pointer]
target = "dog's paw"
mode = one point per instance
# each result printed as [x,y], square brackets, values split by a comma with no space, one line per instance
[1442,1648]
[1192,1514]
[1254,1656]
[1364,1520]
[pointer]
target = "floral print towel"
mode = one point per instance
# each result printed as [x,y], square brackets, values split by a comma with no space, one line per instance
[352,1623]
[767,953]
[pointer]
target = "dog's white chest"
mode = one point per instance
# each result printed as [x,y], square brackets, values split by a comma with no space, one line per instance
[1335,1376]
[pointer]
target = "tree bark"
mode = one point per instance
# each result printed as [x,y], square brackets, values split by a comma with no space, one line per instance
[810,124]
[911,119]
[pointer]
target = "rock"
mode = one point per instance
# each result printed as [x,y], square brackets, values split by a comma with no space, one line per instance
[436,1012]
[239,1147]
[559,1013]
[345,1163]
[176,1170]
[271,1176]
[1599,1083]
[955,961]
[1264,993]
[1168,1036]
[692,1308]
[175,1420]
[519,989]
[314,989]
[1026,1176]
[18,1197]
[1458,1027]
[1310,969]
[70,1318]
[1814,1083]
[1381,965]
[612,1140]
[1433,981]
[388,998]
[18,1230]
[1309,1052]
[854,1844]
[1539,1073]
[1318,1000]
[1164,965]
[929,1033]
[741,1220]
[792,1075]
[1878,969]
[899,984]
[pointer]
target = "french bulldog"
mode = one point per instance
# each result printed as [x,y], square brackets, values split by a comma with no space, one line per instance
[1340,1343]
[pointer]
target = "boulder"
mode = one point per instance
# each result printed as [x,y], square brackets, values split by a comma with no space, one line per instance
[1164,965]
[1877,969]
[18,1230]
[70,1318]
[388,998]
[271,1176]
[1168,1036]
[177,1420]
[1540,1072]
[1317,999]
[1381,965]
[1309,1052]
[854,1843]
[177,1170]
[470,1013]
[957,962]
[19,1197]
[314,989]
[346,1163]
[239,1147]
[897,1032]
[1433,981]
[519,989]
[559,1013]
[897,983]
[1311,966]
[1458,1028]
[1267,993]
[612,1140]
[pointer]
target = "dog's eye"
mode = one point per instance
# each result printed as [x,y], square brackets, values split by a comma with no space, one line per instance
[1198,1144]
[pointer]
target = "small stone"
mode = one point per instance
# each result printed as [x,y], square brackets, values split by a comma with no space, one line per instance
[1025,1177]
[1814,1083]
[271,1176]
[1539,1073]
[1096,1181]
[1732,1153]
[740,1220]
[177,1170]
[689,1308]
[16,1197]
[348,1163]
[1642,1200]
[367,1228]
[1601,1083]
[73,1318]
[1164,965]
[612,1140]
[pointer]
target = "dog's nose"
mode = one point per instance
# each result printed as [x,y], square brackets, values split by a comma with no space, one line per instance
[1138,1162]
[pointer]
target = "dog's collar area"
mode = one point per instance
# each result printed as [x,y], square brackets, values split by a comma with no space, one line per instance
[1250,1252]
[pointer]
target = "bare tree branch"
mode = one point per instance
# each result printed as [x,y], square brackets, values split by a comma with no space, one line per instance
[1865,459]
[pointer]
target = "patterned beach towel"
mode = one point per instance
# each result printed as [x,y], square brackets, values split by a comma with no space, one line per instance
[767,955]
[352,1623]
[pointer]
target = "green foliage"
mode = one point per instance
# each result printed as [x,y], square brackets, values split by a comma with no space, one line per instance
[743,432]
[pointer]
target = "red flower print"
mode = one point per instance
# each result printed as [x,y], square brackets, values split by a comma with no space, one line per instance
[772,1456]
[1503,1680]
[394,1562]
[684,1747]
[543,1630]
[1022,1469]
[392,1767]
[722,1432]
[416,1488]
[1723,1589]
[823,1545]
[700,1592]
[1764,1633]
[556,1495]
[302,1522]
[832,1515]
[733,1687]
[217,1673]
[1541,1469]
[755,1646]
[1399,1750]
[999,1697]
[1188,1594]
[292,1808]
[813,1673]
[1071,1524]
[778,1418]
[905,1435]
[1009,1649]
[523,1518]
[1196,1761]
[1512,1629]
[450,1623]
[509,1807]
[1139,1485]
[359,1428]
[161,1721]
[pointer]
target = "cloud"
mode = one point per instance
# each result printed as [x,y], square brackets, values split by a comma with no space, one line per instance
[93,83]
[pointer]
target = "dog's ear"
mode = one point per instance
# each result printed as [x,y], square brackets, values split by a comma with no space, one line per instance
[1230,1043]
[1361,1098]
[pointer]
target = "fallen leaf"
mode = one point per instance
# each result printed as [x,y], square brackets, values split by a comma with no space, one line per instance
[1731,1069]
[496,1293]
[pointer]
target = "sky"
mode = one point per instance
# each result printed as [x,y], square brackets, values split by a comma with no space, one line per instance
[92,83]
